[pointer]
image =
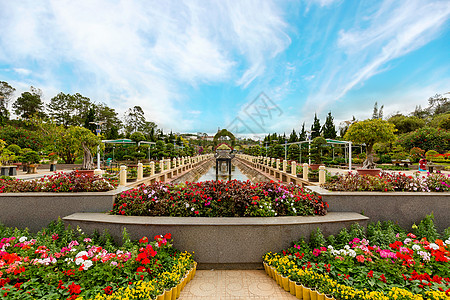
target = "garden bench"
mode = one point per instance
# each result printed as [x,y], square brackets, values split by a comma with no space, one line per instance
[432,167]
[8,170]
[406,163]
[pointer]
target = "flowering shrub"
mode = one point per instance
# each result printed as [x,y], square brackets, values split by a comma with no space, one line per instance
[57,183]
[382,264]
[218,199]
[389,182]
[66,264]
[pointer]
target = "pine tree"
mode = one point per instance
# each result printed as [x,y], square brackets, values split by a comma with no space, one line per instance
[328,129]
[293,137]
[302,134]
[377,113]
[315,127]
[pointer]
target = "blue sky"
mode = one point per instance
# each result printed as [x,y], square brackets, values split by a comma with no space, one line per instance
[250,66]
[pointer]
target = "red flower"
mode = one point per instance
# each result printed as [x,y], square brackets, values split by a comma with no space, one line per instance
[370,274]
[74,288]
[108,290]
[382,278]
[168,236]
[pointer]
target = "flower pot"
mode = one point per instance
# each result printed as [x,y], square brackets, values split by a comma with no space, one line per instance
[168,294]
[298,290]
[271,272]
[160,297]
[174,293]
[371,172]
[328,297]
[86,172]
[292,287]
[285,283]
[313,294]
[178,290]
[315,166]
[280,283]
[320,296]
[306,293]
[266,268]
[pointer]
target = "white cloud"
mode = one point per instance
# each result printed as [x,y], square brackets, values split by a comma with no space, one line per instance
[22,71]
[128,53]
[395,29]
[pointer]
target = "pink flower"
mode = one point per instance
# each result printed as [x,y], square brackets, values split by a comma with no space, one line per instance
[360,258]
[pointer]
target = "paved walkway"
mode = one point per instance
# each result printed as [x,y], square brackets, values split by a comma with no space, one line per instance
[233,285]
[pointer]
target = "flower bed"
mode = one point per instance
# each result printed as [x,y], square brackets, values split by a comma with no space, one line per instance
[219,199]
[389,182]
[66,264]
[58,183]
[384,263]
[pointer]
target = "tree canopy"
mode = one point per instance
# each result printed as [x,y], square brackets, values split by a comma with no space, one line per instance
[369,132]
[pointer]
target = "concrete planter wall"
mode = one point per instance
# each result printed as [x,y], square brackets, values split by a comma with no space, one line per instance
[37,210]
[231,243]
[405,208]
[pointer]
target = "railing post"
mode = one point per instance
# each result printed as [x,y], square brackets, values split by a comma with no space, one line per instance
[123,175]
[305,171]
[152,168]
[284,165]
[161,165]
[140,171]
[294,168]
[321,174]
[278,164]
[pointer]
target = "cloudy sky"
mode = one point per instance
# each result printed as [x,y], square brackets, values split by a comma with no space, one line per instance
[250,66]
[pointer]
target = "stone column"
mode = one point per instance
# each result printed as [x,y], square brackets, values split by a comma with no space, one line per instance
[322,174]
[123,175]
[272,160]
[174,163]
[140,171]
[305,171]
[161,165]
[179,161]
[294,168]
[278,164]
[152,168]
[284,165]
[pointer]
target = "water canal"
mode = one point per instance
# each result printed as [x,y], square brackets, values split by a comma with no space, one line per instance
[223,174]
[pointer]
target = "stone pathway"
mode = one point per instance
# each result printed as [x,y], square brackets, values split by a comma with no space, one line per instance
[233,285]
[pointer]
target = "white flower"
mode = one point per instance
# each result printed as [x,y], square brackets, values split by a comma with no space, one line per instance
[415,247]
[23,239]
[81,253]
[347,247]
[434,246]
[447,242]
[87,264]
[407,241]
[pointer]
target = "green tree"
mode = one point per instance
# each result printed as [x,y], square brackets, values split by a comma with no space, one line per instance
[293,137]
[377,113]
[89,120]
[302,134]
[369,132]
[29,104]
[427,138]
[6,92]
[134,119]
[406,124]
[438,104]
[293,152]
[137,137]
[80,106]
[328,129]
[315,127]
[87,142]
[60,109]
[110,129]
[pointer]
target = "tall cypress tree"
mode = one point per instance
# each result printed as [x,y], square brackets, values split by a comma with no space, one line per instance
[315,127]
[302,134]
[293,137]
[328,129]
